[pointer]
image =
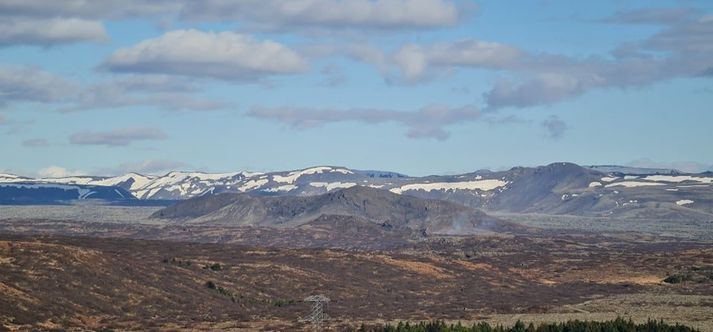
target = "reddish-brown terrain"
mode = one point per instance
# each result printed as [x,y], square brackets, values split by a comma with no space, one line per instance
[57,282]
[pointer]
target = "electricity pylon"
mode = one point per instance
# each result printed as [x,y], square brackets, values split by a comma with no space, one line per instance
[316,315]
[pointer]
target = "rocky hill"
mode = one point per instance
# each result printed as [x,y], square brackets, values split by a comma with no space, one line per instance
[376,206]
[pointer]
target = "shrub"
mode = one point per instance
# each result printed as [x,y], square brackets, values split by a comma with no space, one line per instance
[616,325]
[213,267]
[677,279]
[222,291]
[283,303]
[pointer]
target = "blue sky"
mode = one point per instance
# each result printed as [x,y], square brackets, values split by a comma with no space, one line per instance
[415,86]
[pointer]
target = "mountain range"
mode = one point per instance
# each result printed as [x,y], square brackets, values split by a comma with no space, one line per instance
[558,188]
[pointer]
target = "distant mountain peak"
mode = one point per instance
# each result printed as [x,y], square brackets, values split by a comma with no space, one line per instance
[630,170]
[557,188]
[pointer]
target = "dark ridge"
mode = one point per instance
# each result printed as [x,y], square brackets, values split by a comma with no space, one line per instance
[377,206]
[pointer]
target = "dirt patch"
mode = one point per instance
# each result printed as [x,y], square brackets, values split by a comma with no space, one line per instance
[639,280]
[421,268]
[474,266]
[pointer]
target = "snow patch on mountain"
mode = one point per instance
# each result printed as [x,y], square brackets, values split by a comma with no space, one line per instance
[632,184]
[293,176]
[484,185]
[211,176]
[139,181]
[678,178]
[253,184]
[187,184]
[332,185]
[285,188]
[9,178]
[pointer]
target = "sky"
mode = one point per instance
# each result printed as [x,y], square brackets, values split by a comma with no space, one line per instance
[415,86]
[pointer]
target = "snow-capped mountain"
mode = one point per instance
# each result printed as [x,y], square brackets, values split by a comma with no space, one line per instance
[182,185]
[559,188]
[6,178]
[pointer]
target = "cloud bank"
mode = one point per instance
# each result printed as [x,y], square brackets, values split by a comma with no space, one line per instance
[428,122]
[23,84]
[34,85]
[273,14]
[53,31]
[221,55]
[117,137]
[327,14]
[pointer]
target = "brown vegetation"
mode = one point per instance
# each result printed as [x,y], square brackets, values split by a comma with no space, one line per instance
[56,282]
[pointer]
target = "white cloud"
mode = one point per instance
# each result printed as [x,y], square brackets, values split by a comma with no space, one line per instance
[689,38]
[221,55]
[544,88]
[546,80]
[272,14]
[57,172]
[49,31]
[157,91]
[27,84]
[118,137]
[31,84]
[682,48]
[327,14]
[418,62]
[94,9]
[428,122]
